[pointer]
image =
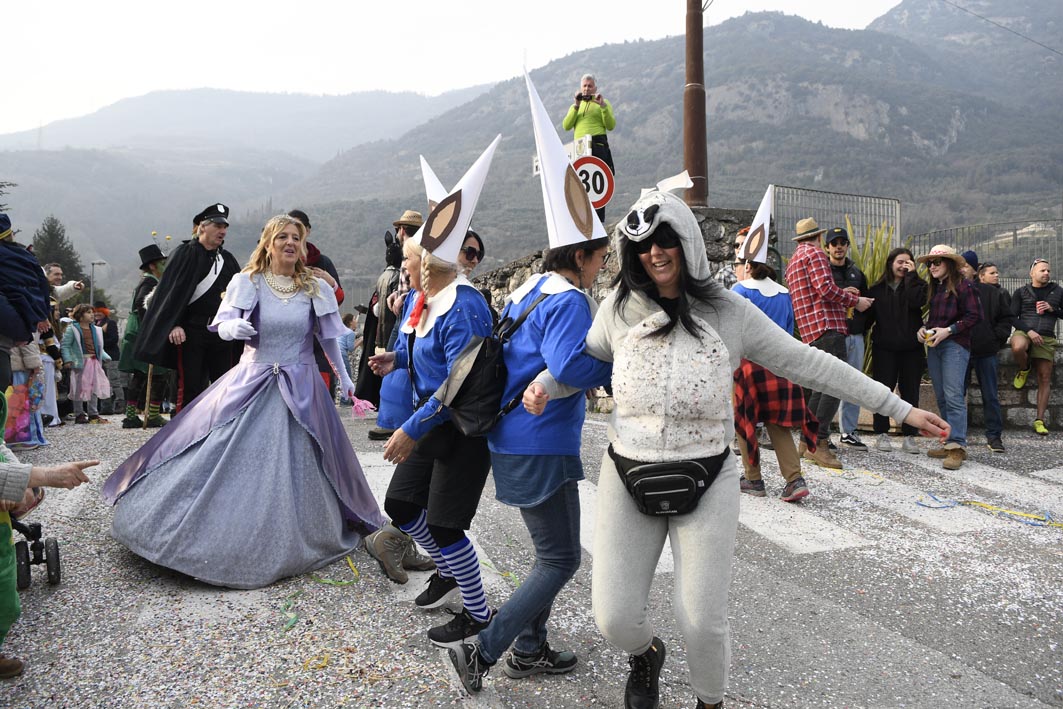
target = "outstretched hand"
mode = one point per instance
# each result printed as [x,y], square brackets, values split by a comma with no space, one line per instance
[929,424]
[65,475]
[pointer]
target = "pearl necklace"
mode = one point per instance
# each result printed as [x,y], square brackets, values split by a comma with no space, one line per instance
[278,284]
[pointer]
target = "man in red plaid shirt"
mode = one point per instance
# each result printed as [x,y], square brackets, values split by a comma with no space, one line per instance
[819,308]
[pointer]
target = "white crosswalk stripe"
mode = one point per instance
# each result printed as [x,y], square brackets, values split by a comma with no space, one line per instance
[902,499]
[794,528]
[1032,494]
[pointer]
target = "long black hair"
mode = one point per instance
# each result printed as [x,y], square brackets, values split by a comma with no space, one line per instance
[887,273]
[633,277]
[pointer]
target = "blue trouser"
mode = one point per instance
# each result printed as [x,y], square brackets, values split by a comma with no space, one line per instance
[985,368]
[947,364]
[854,355]
[554,528]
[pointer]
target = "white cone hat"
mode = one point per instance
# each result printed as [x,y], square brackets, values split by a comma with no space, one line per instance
[445,229]
[570,219]
[433,188]
[755,247]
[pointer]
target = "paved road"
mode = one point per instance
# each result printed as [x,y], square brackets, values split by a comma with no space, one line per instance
[858,597]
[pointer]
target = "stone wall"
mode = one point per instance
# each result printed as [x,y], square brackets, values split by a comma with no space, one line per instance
[1019,408]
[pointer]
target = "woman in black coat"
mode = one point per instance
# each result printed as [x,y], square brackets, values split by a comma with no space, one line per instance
[898,358]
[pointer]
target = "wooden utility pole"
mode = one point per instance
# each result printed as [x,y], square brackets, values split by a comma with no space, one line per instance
[695,153]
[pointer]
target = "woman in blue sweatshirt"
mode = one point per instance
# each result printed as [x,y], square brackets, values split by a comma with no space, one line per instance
[536,459]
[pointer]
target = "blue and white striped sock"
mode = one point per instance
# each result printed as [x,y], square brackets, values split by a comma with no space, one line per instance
[465,566]
[418,529]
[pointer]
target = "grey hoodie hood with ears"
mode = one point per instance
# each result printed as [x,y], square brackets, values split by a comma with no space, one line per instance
[655,207]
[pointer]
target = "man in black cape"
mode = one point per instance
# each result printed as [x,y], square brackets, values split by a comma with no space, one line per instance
[174,331]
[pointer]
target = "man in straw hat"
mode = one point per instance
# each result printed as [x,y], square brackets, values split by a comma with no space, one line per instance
[819,308]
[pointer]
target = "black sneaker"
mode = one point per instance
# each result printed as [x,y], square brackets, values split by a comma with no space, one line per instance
[548,660]
[853,441]
[795,490]
[461,628]
[996,445]
[752,487]
[470,664]
[440,591]
[832,446]
[642,690]
[380,434]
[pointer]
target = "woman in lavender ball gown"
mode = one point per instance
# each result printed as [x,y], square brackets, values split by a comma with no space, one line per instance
[256,479]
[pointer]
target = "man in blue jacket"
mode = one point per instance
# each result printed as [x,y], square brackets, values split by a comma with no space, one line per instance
[23,297]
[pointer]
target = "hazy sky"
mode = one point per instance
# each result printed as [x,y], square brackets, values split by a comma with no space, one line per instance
[66,58]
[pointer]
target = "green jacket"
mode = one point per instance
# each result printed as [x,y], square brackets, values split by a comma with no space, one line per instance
[590,118]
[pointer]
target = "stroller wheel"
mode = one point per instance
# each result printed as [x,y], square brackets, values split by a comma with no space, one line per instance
[22,565]
[51,559]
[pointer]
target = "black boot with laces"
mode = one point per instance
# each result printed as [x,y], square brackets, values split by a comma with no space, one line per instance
[642,691]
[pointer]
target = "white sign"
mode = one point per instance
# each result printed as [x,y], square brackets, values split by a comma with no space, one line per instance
[597,179]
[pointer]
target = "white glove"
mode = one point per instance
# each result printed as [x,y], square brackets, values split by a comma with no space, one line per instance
[236,329]
[346,385]
[58,376]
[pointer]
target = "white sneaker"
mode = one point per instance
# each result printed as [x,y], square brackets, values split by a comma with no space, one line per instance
[910,446]
[883,443]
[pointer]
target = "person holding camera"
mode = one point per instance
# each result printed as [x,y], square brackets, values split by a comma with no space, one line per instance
[592,114]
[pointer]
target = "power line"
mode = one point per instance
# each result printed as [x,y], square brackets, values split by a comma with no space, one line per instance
[1003,27]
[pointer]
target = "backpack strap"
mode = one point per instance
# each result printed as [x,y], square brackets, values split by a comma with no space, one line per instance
[503,337]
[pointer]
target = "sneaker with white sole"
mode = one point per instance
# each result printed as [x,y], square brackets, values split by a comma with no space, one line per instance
[883,443]
[461,628]
[441,590]
[547,661]
[853,441]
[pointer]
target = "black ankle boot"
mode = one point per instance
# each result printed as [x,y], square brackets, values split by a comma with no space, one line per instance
[703,705]
[642,690]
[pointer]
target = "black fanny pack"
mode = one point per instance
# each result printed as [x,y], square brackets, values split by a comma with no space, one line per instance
[672,488]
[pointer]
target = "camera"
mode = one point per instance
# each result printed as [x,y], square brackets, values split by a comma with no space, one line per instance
[586,97]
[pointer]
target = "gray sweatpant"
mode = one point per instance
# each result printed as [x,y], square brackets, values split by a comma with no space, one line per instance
[627,545]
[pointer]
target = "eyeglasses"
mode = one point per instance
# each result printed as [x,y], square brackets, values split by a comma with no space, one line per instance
[1037,261]
[935,262]
[739,263]
[472,253]
[664,238]
[985,266]
[605,259]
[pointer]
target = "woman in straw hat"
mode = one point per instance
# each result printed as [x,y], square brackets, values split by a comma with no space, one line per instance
[674,338]
[256,479]
[954,310]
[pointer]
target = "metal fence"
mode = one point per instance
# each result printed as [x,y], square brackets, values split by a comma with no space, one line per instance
[1012,246]
[830,209]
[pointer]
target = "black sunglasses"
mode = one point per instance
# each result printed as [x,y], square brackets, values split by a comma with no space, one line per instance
[472,253]
[935,262]
[664,238]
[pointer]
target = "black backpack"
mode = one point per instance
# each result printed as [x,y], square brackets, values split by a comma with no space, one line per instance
[473,389]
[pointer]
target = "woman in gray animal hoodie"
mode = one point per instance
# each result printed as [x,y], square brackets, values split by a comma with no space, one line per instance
[674,338]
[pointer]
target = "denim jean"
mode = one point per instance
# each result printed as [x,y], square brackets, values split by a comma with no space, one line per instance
[947,364]
[985,368]
[854,355]
[554,528]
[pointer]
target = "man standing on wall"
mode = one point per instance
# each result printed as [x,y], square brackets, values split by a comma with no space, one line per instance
[592,114]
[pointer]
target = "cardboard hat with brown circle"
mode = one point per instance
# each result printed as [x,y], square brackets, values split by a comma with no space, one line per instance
[807,228]
[409,218]
[755,246]
[444,231]
[570,218]
[943,251]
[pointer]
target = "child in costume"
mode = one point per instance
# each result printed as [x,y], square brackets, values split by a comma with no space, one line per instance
[82,351]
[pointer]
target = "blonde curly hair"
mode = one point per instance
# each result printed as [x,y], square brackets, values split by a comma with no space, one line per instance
[260,258]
